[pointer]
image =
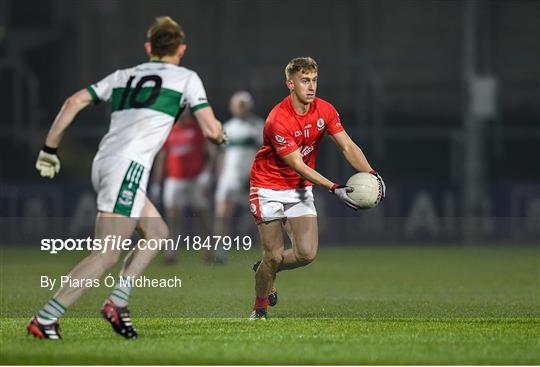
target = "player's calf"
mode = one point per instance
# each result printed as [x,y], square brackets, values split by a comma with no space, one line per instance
[273,260]
[273,295]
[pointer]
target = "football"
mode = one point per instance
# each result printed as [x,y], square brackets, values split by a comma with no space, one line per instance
[367,190]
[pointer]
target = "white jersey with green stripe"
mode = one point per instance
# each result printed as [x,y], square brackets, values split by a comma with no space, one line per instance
[245,138]
[244,133]
[146,100]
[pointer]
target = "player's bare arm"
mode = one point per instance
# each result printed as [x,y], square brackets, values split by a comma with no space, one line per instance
[71,107]
[210,126]
[356,157]
[48,163]
[295,161]
[351,151]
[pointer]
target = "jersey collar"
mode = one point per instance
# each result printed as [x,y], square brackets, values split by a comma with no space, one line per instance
[296,114]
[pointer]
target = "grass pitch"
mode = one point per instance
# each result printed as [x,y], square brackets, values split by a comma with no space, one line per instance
[387,305]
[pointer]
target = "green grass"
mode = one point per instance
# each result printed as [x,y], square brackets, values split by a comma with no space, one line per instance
[387,305]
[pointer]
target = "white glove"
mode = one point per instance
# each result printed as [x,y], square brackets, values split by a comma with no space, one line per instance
[48,163]
[341,192]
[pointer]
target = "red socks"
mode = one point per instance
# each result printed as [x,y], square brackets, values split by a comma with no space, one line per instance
[261,303]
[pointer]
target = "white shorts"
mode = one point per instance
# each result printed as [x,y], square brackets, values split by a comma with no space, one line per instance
[267,204]
[120,185]
[179,193]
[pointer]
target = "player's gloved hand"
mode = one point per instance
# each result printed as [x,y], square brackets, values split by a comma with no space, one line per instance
[225,138]
[48,163]
[341,192]
[381,182]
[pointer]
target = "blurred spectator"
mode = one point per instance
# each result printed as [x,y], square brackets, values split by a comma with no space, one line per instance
[244,130]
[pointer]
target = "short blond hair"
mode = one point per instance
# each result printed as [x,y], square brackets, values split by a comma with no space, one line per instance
[165,36]
[303,64]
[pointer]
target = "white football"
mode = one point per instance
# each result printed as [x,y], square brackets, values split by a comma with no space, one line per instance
[367,190]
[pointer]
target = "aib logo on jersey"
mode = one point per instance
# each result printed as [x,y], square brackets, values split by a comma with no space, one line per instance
[320,124]
[306,150]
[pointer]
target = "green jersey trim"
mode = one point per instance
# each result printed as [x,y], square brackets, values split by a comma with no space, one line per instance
[199,106]
[128,189]
[55,302]
[167,101]
[92,92]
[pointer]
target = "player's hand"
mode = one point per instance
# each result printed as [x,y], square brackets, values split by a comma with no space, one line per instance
[224,138]
[381,182]
[48,163]
[341,192]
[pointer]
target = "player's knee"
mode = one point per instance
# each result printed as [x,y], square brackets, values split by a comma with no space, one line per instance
[305,258]
[274,259]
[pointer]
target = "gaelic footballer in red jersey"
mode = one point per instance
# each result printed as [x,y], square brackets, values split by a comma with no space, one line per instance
[283,174]
[185,149]
[286,131]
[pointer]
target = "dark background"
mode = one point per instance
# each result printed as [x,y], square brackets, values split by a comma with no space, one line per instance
[443,96]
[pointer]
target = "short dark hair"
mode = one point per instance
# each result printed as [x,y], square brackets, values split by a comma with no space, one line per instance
[165,36]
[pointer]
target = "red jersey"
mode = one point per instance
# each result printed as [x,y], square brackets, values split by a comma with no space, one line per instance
[185,149]
[286,131]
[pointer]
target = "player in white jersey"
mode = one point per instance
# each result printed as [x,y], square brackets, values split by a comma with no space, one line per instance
[244,132]
[146,100]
